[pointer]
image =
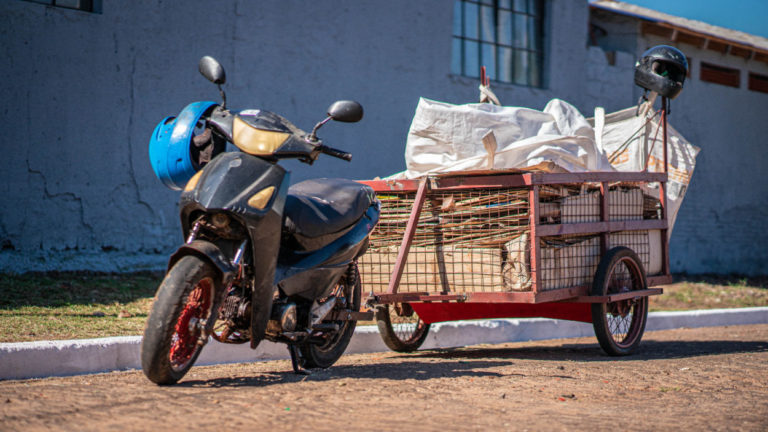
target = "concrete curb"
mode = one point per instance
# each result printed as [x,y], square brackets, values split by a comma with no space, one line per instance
[73,357]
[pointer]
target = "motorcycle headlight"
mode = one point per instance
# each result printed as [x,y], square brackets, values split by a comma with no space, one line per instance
[257,142]
[220,220]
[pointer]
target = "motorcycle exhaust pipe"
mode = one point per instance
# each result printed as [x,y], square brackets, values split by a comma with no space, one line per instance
[288,317]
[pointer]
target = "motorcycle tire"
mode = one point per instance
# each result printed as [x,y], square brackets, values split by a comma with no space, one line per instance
[172,337]
[325,355]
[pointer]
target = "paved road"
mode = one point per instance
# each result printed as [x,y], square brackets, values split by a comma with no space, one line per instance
[710,378]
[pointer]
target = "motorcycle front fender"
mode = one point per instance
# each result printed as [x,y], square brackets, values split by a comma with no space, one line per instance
[227,185]
[208,252]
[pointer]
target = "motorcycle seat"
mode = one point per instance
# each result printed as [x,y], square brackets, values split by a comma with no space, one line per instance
[319,211]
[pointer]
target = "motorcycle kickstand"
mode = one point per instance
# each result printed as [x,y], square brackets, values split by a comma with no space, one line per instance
[296,361]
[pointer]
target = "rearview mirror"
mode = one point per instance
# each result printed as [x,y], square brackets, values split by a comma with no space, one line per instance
[346,111]
[212,70]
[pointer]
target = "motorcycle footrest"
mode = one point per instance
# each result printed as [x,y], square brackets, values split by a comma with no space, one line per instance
[326,327]
[349,315]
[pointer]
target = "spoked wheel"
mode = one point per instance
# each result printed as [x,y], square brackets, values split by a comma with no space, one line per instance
[619,325]
[400,327]
[326,354]
[181,318]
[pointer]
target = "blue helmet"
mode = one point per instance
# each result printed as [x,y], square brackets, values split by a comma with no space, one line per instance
[169,146]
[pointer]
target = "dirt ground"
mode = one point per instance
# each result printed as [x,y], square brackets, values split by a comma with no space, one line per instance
[688,379]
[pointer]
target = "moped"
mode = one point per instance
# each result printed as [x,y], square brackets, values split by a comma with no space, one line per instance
[262,259]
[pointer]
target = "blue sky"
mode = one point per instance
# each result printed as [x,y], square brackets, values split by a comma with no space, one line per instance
[750,16]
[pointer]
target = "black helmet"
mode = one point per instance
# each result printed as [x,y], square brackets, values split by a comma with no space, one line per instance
[662,69]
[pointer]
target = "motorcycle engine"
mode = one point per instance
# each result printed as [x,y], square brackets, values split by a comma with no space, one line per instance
[234,316]
[236,309]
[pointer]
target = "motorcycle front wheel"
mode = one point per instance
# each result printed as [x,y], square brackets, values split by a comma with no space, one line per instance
[325,355]
[182,313]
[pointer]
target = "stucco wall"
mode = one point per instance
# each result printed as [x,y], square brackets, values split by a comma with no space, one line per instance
[721,227]
[722,224]
[80,94]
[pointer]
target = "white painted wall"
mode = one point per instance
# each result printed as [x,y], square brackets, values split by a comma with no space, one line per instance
[721,227]
[80,94]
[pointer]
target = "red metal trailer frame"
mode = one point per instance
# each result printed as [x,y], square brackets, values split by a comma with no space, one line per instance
[572,302]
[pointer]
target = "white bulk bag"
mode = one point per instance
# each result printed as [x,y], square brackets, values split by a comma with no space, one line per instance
[444,137]
[626,139]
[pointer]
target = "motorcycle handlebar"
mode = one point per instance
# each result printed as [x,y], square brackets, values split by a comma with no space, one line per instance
[330,151]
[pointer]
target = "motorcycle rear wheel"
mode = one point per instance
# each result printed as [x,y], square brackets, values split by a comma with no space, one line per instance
[325,355]
[186,298]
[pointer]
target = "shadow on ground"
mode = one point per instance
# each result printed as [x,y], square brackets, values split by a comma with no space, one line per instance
[417,370]
[473,362]
[648,350]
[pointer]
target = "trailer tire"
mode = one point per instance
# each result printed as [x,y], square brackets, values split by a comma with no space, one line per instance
[619,325]
[407,334]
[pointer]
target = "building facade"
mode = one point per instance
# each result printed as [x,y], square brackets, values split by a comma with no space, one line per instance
[82,90]
[722,223]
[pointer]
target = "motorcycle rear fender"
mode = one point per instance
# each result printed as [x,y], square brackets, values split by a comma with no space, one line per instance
[209,252]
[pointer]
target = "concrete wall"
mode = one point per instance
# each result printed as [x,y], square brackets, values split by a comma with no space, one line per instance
[723,221]
[80,94]
[721,226]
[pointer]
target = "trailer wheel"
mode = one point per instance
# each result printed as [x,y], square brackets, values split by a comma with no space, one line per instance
[400,327]
[619,325]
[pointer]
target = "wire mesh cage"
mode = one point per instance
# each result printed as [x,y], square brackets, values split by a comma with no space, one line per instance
[478,239]
[458,245]
[579,203]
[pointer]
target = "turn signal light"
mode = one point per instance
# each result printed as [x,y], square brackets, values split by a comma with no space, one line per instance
[260,199]
[193,181]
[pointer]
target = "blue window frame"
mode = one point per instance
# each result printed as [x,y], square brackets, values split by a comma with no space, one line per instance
[82,5]
[505,36]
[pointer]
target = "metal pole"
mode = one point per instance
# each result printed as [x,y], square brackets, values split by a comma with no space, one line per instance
[663,191]
[533,203]
[664,111]
[410,230]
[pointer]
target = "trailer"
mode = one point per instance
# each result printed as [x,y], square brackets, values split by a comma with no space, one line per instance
[589,247]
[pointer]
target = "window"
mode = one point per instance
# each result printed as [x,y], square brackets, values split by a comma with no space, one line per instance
[505,36]
[83,5]
[720,75]
[758,82]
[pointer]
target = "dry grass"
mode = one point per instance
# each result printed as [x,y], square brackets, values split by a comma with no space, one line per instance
[712,292]
[46,306]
